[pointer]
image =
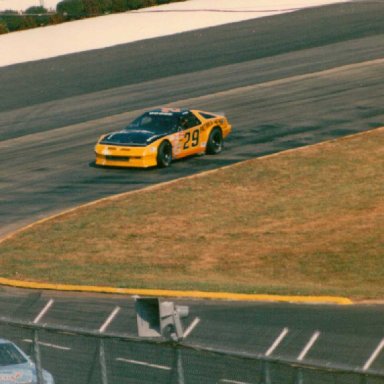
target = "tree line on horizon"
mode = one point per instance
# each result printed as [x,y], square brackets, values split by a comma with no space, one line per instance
[67,10]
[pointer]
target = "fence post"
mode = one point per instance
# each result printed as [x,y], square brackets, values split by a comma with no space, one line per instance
[37,356]
[103,366]
[265,373]
[180,370]
[299,376]
[363,378]
[177,372]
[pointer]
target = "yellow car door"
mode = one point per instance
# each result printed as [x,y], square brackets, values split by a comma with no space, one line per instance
[190,140]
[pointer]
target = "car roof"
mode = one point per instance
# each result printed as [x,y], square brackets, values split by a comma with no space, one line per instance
[5,341]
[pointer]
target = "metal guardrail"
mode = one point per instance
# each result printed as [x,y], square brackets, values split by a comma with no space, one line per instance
[296,372]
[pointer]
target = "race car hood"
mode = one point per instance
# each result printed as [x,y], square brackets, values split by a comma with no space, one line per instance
[131,138]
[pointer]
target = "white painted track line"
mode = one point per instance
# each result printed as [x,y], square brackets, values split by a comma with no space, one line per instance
[109,320]
[144,363]
[277,342]
[43,311]
[191,327]
[49,345]
[374,355]
[233,381]
[309,345]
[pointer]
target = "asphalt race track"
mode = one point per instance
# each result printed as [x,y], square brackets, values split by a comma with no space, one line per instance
[284,82]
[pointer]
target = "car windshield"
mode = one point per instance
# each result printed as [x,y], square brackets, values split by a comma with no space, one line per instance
[155,122]
[10,355]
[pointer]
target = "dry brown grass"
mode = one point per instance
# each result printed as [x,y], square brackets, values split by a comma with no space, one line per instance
[308,221]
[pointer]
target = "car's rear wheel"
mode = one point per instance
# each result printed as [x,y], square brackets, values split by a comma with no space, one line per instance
[215,142]
[164,154]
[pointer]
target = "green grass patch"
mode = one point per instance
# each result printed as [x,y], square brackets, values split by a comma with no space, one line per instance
[308,221]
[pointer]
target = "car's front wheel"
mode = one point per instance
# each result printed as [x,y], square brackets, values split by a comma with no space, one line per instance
[164,154]
[215,142]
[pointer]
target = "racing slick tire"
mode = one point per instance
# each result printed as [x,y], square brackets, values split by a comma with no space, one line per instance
[215,142]
[164,154]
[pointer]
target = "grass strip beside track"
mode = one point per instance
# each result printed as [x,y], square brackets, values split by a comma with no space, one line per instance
[302,222]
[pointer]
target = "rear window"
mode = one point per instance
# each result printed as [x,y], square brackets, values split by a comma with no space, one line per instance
[207,115]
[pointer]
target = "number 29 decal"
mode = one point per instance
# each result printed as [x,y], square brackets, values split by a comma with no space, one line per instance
[192,139]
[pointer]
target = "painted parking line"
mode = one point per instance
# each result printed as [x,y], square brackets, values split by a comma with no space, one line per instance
[144,363]
[191,327]
[109,320]
[54,346]
[308,346]
[277,342]
[374,355]
[43,311]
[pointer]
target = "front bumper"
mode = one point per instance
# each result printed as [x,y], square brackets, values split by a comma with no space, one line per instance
[131,157]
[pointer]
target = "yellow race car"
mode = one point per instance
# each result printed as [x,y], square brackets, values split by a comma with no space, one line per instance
[158,136]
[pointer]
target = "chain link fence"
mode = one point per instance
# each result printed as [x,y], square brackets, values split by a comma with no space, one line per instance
[78,356]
